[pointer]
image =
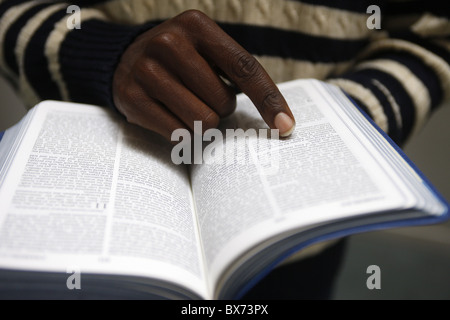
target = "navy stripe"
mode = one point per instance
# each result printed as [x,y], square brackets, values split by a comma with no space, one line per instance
[425,74]
[35,61]
[393,130]
[6,5]
[13,33]
[349,5]
[436,7]
[6,49]
[424,43]
[394,135]
[360,104]
[401,96]
[266,41]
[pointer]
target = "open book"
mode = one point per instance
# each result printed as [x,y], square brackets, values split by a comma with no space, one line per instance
[81,189]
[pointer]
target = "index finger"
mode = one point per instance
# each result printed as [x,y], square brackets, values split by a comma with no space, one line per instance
[248,74]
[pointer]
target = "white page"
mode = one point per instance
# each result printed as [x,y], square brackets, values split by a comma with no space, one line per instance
[239,205]
[90,192]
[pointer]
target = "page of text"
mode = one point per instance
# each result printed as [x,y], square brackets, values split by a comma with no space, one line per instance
[91,192]
[320,173]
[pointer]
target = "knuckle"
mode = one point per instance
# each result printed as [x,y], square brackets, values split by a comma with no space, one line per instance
[126,95]
[128,112]
[209,121]
[227,104]
[133,118]
[140,113]
[150,73]
[164,39]
[194,16]
[144,70]
[246,66]
[272,101]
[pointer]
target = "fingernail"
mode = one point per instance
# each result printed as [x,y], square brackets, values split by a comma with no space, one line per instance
[285,124]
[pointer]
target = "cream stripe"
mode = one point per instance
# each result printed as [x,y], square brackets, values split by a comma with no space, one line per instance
[413,86]
[288,15]
[8,18]
[53,45]
[439,65]
[392,102]
[367,97]
[430,25]
[27,91]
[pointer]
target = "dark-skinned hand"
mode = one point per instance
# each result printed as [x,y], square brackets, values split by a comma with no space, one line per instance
[170,76]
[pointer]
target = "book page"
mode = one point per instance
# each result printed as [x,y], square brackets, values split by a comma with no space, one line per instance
[89,191]
[321,173]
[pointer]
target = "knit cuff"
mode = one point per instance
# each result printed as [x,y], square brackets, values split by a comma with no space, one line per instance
[89,57]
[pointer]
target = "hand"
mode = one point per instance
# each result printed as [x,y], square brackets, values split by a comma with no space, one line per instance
[169,77]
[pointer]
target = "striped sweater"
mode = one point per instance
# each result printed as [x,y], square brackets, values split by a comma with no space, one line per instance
[398,73]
